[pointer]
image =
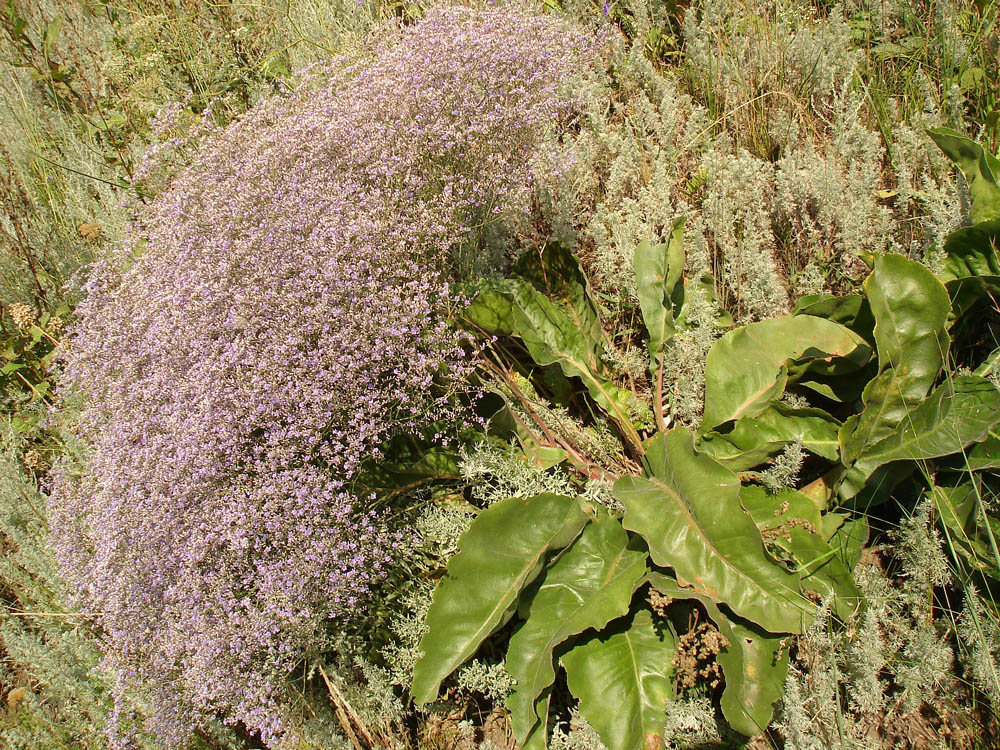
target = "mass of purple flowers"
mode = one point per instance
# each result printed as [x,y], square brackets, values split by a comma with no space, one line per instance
[280,311]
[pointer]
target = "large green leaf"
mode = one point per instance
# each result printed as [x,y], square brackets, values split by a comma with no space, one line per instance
[749,367]
[501,553]
[553,336]
[972,251]
[755,439]
[911,311]
[970,530]
[979,457]
[659,275]
[393,476]
[861,494]
[590,585]
[971,265]
[491,309]
[659,271]
[969,293]
[555,272]
[622,677]
[688,510]
[755,670]
[791,522]
[961,411]
[981,170]
[850,310]
[755,663]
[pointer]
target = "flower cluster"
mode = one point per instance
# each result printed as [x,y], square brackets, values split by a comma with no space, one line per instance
[277,314]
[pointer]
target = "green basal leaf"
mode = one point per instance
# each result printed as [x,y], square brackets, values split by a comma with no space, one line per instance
[844,387]
[753,440]
[981,170]
[911,311]
[659,273]
[749,367]
[588,586]
[688,510]
[491,309]
[755,663]
[555,272]
[553,337]
[972,265]
[622,677]
[972,251]
[755,669]
[862,495]
[500,554]
[850,310]
[961,411]
[542,456]
[966,294]
[969,529]
[435,463]
[830,523]
[791,522]
[981,456]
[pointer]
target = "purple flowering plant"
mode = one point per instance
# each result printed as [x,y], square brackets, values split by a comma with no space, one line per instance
[282,310]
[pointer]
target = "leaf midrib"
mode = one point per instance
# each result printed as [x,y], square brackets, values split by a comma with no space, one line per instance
[708,543]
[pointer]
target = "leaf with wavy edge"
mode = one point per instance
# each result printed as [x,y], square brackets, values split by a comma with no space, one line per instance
[688,510]
[964,522]
[749,367]
[552,337]
[981,170]
[659,276]
[500,554]
[623,676]
[959,412]
[555,272]
[491,308]
[755,439]
[754,663]
[911,311]
[979,457]
[590,585]
[659,272]
[792,523]
[850,310]
[972,252]
[971,268]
